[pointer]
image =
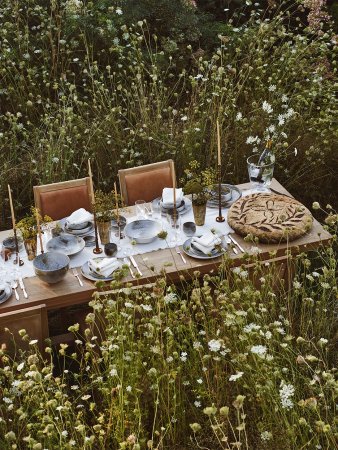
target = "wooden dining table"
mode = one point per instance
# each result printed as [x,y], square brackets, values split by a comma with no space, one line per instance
[154,264]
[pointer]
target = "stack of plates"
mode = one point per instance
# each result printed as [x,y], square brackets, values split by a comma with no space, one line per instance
[229,195]
[5,292]
[194,252]
[79,230]
[182,208]
[93,276]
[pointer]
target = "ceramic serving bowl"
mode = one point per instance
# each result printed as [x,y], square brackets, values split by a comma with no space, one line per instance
[67,244]
[78,226]
[142,231]
[9,243]
[51,267]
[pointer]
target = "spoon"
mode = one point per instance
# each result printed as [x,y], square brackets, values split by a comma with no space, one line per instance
[14,285]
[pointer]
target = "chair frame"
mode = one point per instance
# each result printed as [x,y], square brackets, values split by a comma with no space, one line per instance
[24,315]
[62,185]
[140,169]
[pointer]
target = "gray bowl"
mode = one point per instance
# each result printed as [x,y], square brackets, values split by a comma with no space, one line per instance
[51,267]
[189,228]
[142,231]
[67,244]
[9,243]
[78,226]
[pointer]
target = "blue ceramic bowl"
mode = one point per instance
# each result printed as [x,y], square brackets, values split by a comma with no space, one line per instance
[51,267]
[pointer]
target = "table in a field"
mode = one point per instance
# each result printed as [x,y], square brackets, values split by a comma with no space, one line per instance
[68,292]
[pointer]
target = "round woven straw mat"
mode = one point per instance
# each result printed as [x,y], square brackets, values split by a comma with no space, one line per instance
[270,217]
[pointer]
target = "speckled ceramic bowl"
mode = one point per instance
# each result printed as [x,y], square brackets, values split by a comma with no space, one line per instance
[51,267]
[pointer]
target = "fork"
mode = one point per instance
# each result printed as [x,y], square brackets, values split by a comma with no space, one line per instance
[126,261]
[14,285]
[178,251]
[76,275]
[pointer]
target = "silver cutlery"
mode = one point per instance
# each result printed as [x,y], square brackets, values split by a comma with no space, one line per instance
[178,251]
[76,275]
[126,261]
[236,243]
[22,286]
[134,263]
[233,248]
[14,285]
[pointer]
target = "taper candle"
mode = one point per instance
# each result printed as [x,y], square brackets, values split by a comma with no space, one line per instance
[11,206]
[117,204]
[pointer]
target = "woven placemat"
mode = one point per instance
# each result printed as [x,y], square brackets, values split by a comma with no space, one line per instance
[271,218]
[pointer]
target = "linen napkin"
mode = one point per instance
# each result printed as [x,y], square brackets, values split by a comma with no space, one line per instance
[79,216]
[206,243]
[104,266]
[168,197]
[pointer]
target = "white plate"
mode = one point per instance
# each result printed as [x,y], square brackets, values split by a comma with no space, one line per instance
[185,206]
[195,253]
[87,273]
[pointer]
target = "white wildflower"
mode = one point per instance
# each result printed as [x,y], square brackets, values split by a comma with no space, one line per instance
[184,118]
[197,345]
[266,435]
[239,116]
[236,376]
[128,388]
[199,381]
[251,327]
[20,367]
[214,345]
[281,119]
[146,307]
[197,404]
[64,433]
[259,350]
[183,356]
[267,107]
[33,342]
[272,88]
[286,391]
[119,11]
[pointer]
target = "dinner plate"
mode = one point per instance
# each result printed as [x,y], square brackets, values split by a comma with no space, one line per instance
[142,231]
[195,253]
[7,294]
[87,273]
[81,232]
[67,244]
[236,194]
[183,208]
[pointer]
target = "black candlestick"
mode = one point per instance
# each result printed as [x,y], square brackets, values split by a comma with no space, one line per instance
[220,218]
[97,250]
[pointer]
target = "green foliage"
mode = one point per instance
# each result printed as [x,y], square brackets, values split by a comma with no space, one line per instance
[216,360]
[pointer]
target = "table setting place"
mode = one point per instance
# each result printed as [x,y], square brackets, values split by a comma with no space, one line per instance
[202,220]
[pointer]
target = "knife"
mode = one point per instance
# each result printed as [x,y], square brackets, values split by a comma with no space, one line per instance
[22,286]
[134,263]
[236,243]
[234,249]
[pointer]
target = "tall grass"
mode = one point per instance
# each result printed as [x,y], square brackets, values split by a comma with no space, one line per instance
[77,82]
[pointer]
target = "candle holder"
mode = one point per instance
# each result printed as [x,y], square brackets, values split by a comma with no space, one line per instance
[219,218]
[17,260]
[97,250]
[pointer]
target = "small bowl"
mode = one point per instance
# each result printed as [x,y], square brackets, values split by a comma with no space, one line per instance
[110,249]
[189,228]
[142,231]
[78,226]
[51,267]
[9,243]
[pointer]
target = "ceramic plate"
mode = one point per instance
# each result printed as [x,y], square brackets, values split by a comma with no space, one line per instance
[236,194]
[195,253]
[184,207]
[82,232]
[67,244]
[87,273]
[6,294]
[142,231]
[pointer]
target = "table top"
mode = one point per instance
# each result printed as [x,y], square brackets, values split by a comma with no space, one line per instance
[69,292]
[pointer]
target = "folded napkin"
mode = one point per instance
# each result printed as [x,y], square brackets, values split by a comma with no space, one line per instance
[206,243]
[79,216]
[104,266]
[168,197]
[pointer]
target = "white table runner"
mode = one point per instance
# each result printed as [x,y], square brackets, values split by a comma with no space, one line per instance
[126,247]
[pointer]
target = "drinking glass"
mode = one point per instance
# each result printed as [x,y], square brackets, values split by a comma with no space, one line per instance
[140,209]
[260,174]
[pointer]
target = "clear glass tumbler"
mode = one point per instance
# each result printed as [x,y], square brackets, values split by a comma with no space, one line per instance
[260,174]
[140,209]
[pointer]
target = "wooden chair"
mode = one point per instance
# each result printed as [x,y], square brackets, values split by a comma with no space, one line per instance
[145,182]
[34,320]
[59,200]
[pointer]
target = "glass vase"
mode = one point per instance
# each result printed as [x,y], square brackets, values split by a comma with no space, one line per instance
[30,246]
[199,213]
[104,231]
